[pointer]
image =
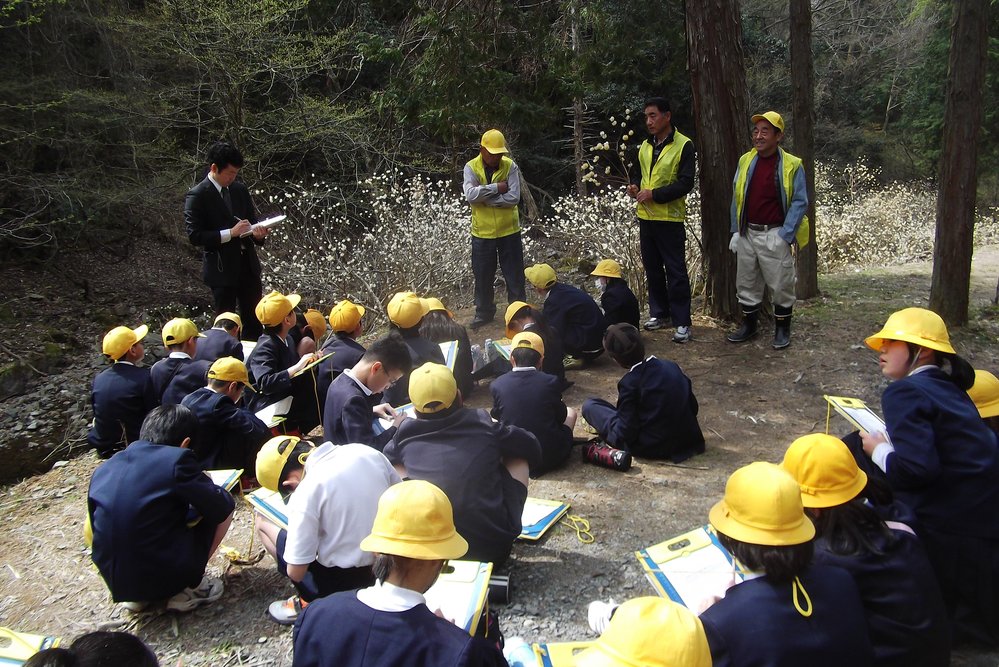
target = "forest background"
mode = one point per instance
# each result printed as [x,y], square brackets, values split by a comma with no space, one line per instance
[356,117]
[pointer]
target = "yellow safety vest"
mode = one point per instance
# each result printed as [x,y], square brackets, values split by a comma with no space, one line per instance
[789,165]
[662,173]
[493,222]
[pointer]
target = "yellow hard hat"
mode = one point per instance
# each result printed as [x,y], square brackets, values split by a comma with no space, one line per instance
[919,326]
[511,312]
[271,459]
[405,309]
[415,520]
[650,632]
[345,316]
[608,268]
[762,505]
[826,471]
[494,142]
[985,394]
[119,340]
[273,308]
[541,276]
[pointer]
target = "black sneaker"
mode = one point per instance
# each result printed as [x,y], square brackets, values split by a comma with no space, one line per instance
[600,453]
[479,322]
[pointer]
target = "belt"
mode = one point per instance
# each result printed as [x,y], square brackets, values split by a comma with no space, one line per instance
[762,228]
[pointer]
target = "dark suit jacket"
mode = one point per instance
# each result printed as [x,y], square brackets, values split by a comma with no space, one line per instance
[348,418]
[268,366]
[217,344]
[174,378]
[122,397]
[532,400]
[619,304]
[346,353]
[576,317]
[205,216]
[421,351]
[228,436]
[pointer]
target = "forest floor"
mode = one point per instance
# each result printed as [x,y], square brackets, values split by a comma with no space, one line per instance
[753,403]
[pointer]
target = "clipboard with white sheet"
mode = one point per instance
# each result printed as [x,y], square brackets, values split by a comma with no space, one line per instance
[691,568]
[247,346]
[559,654]
[382,424]
[274,414]
[460,592]
[227,479]
[266,223]
[856,412]
[450,351]
[270,505]
[538,516]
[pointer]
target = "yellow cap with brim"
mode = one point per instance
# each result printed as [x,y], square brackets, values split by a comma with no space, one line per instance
[273,308]
[650,632]
[985,394]
[228,315]
[771,117]
[432,388]
[230,369]
[433,303]
[762,505]
[317,323]
[415,520]
[180,330]
[271,459]
[918,326]
[530,340]
[405,309]
[541,276]
[608,268]
[345,316]
[494,142]
[826,472]
[120,340]
[511,312]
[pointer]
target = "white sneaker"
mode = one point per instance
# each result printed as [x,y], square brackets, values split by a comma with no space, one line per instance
[654,324]
[285,612]
[599,613]
[189,599]
[681,335]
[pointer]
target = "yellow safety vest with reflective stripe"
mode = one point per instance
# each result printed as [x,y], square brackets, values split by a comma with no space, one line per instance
[663,172]
[493,222]
[789,166]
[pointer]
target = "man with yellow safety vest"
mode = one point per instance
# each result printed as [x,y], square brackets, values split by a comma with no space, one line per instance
[492,187]
[665,176]
[769,202]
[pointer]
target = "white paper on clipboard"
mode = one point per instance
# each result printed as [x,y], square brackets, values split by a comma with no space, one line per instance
[857,413]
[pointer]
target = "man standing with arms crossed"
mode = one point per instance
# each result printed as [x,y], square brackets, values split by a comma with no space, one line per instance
[492,187]
[769,201]
[218,212]
[666,175]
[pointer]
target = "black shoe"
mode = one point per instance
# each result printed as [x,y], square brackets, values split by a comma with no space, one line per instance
[479,322]
[749,328]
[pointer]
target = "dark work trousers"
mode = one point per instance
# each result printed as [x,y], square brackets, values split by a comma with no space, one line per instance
[247,293]
[511,261]
[663,247]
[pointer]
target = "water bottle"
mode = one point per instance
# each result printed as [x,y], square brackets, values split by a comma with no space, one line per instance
[489,350]
[518,653]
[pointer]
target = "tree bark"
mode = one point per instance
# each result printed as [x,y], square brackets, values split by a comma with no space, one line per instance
[959,161]
[718,80]
[803,112]
[577,105]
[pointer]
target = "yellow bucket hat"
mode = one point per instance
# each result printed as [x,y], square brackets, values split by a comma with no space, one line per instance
[762,505]
[608,268]
[415,520]
[119,340]
[825,470]
[541,276]
[919,326]
[650,632]
[985,394]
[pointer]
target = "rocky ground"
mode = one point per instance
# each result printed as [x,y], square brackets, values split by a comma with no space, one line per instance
[754,402]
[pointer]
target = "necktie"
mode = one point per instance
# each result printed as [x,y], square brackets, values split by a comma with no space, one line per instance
[227,199]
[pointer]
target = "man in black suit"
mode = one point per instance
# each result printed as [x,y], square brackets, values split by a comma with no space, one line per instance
[218,212]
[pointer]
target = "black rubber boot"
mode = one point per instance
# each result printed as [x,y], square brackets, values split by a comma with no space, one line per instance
[782,327]
[750,325]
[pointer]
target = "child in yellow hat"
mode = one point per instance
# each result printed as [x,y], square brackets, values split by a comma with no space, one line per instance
[180,373]
[406,311]
[618,302]
[985,393]
[439,326]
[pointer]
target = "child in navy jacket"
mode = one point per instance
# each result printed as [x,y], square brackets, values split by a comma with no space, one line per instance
[618,302]
[656,412]
[573,314]
[180,373]
[532,400]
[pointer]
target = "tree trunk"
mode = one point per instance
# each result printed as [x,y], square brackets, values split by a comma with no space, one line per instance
[803,112]
[577,105]
[718,80]
[959,161]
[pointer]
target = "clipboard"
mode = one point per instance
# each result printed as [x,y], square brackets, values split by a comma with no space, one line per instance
[538,516]
[460,592]
[856,412]
[17,647]
[270,505]
[381,424]
[559,654]
[690,568]
[247,346]
[312,364]
[227,479]
[274,414]
[265,224]
[450,351]
[503,347]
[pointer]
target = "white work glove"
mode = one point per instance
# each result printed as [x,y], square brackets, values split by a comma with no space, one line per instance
[733,245]
[599,613]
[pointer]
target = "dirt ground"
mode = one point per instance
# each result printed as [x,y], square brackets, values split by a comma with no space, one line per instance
[753,403]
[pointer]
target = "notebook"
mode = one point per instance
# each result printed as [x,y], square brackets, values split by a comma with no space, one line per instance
[450,351]
[559,654]
[460,592]
[273,414]
[540,515]
[691,568]
[270,505]
[227,479]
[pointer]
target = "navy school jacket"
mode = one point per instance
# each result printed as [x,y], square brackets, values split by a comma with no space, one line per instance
[174,378]
[122,397]
[217,344]
[576,317]
[532,400]
[228,436]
